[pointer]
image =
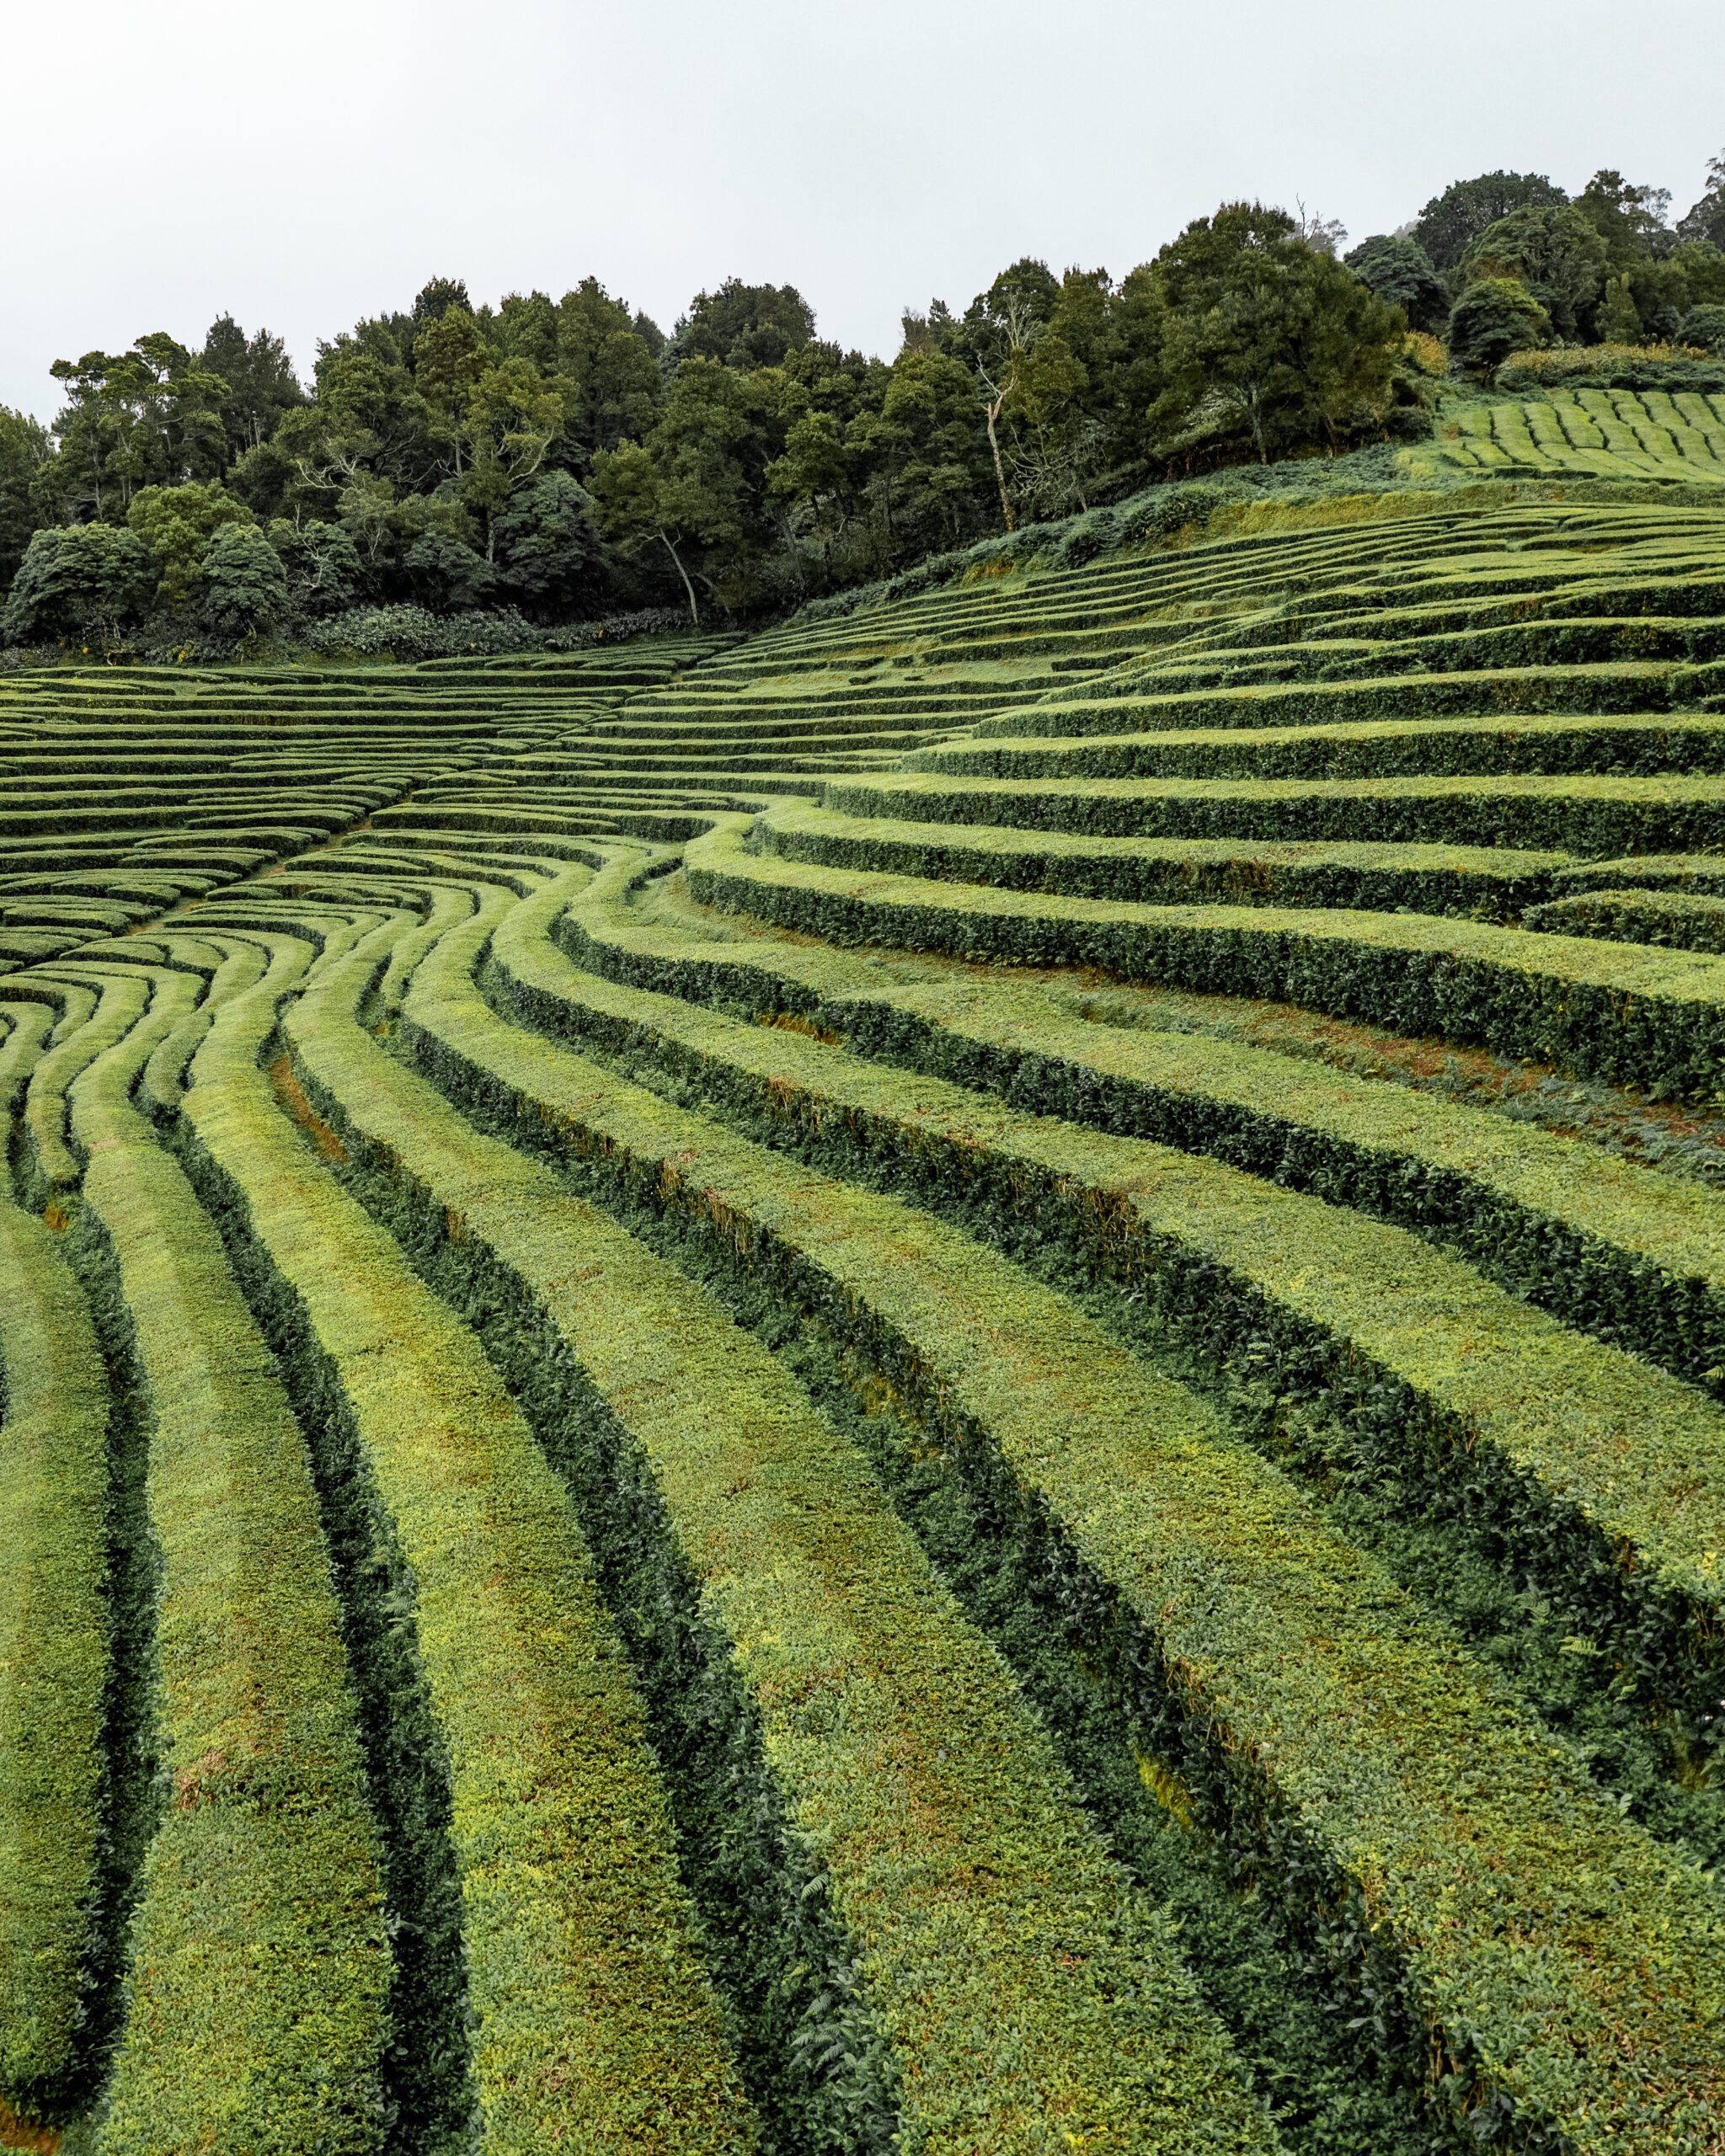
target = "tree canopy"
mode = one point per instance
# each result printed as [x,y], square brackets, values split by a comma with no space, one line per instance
[1396,268]
[1705,219]
[1451,222]
[1555,251]
[563,456]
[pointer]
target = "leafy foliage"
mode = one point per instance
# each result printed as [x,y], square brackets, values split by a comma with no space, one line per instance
[245,585]
[177,524]
[74,579]
[1399,270]
[1268,340]
[1556,252]
[1704,326]
[1493,317]
[564,457]
[1451,222]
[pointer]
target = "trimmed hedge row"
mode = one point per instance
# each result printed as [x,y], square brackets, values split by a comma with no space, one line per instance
[1335,649]
[53,1660]
[1452,605]
[113,1001]
[1302,1709]
[1623,685]
[1633,1019]
[1577,815]
[29,1025]
[447,906]
[594,2025]
[1478,883]
[1611,366]
[1683,920]
[255,1996]
[232,968]
[1703,872]
[1618,746]
[985,1895]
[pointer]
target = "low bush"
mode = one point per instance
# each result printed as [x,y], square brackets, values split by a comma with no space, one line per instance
[406,633]
[1612,366]
[1680,920]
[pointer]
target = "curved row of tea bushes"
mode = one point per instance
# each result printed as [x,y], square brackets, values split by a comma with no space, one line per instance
[1361,1768]
[1703,874]
[228,971]
[1582,815]
[53,1657]
[28,1028]
[107,1007]
[1635,1256]
[1476,882]
[1683,920]
[1437,748]
[1395,646]
[594,2026]
[1029,2002]
[254,2019]
[1634,1018]
[1624,686]
[1384,609]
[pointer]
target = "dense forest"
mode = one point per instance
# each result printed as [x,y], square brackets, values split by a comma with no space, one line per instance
[547,462]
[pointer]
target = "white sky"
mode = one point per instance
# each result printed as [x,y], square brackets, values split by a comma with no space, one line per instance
[302,165]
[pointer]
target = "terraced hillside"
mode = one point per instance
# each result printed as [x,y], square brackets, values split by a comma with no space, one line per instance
[954,1382]
[1668,436]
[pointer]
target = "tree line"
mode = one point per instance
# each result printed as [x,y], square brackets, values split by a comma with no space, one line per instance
[1509,262]
[561,458]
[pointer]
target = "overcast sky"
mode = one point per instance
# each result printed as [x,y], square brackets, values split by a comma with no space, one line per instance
[301,165]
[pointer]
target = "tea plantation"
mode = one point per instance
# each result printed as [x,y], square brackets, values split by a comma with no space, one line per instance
[953,1381]
[1601,434]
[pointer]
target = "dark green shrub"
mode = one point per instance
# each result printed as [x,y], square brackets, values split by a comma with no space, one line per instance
[1398,269]
[245,586]
[1492,318]
[1706,326]
[77,579]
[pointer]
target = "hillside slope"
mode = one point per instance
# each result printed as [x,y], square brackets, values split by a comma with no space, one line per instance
[953,1382]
